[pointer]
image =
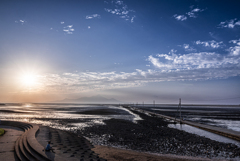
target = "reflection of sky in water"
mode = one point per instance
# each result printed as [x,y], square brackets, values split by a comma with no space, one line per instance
[200,132]
[52,114]
[229,124]
[197,113]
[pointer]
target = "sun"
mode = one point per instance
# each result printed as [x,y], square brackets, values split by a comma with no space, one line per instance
[28,79]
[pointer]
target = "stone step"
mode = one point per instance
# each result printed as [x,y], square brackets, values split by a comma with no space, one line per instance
[17,149]
[33,152]
[70,145]
[38,148]
[31,155]
[23,150]
[20,148]
[21,125]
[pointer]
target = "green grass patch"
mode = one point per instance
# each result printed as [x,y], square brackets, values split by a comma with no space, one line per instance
[1,132]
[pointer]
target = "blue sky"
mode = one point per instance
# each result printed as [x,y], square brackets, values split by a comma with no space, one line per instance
[131,50]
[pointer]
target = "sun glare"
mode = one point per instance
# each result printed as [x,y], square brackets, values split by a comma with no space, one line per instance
[29,79]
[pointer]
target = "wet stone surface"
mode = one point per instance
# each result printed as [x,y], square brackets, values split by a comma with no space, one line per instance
[152,134]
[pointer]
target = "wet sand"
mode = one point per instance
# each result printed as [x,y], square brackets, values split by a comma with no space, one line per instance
[117,154]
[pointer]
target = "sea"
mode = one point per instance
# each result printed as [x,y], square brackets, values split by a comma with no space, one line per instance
[73,117]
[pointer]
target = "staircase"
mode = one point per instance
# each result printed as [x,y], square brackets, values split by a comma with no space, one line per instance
[67,146]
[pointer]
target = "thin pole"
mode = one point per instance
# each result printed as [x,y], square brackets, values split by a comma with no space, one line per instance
[180,109]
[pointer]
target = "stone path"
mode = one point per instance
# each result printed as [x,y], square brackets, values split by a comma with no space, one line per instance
[26,142]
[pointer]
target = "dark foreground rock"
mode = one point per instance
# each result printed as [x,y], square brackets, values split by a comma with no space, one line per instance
[152,134]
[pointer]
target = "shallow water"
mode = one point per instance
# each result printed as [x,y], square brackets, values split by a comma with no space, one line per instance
[204,133]
[222,116]
[72,117]
[53,114]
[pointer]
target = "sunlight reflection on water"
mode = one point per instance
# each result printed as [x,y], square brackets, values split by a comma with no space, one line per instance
[64,116]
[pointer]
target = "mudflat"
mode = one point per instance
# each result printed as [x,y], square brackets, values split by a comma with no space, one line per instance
[116,154]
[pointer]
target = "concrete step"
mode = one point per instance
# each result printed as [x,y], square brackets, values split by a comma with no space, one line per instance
[68,146]
[30,154]
[17,149]
[38,148]
[20,149]
[22,125]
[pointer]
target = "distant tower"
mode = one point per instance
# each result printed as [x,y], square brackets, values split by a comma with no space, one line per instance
[154,103]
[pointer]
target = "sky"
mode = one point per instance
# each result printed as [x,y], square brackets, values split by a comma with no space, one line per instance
[130,50]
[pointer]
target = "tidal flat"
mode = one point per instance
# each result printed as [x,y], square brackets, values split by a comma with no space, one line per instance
[152,134]
[120,127]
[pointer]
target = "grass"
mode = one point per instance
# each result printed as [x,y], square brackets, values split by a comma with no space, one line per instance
[1,132]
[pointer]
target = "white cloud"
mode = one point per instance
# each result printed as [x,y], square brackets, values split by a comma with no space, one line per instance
[120,9]
[235,50]
[212,43]
[132,19]
[62,22]
[119,2]
[187,47]
[229,23]
[68,29]
[168,67]
[191,14]
[89,27]
[180,17]
[21,21]
[85,81]
[196,61]
[93,16]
